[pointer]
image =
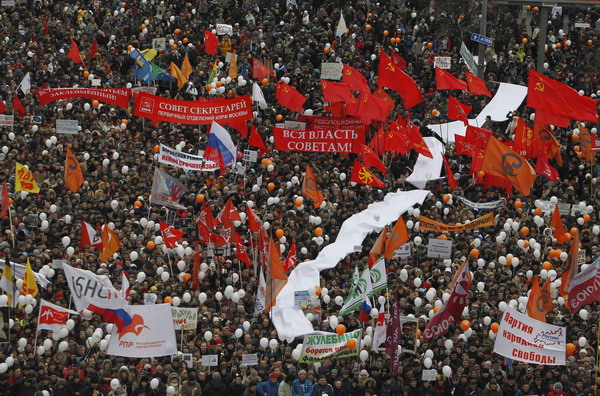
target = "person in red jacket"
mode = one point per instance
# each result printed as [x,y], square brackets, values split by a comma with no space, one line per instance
[557,390]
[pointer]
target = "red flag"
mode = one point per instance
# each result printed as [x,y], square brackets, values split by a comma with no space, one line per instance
[256,141]
[259,70]
[206,222]
[94,49]
[291,259]
[478,136]
[310,188]
[240,126]
[585,287]
[393,337]
[89,236]
[396,139]
[228,213]
[337,109]
[289,97]
[476,85]
[452,310]
[524,141]
[240,249]
[254,223]
[445,80]
[378,248]
[381,94]
[170,235]
[463,147]
[499,160]
[211,43]
[74,53]
[353,105]
[543,168]
[52,317]
[2,107]
[571,266]
[449,175]
[458,111]
[371,159]
[390,76]
[5,201]
[355,80]
[196,268]
[371,108]
[17,105]
[556,103]
[398,60]
[417,143]
[378,141]
[335,92]
[46,27]
[361,175]
[559,228]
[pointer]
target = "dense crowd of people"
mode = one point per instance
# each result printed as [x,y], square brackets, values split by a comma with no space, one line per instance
[289,37]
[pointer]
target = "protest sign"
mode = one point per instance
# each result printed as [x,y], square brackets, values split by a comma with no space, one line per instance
[403,251]
[531,341]
[68,127]
[169,156]
[223,29]
[210,360]
[439,248]
[250,359]
[184,318]
[7,120]
[114,96]
[322,141]
[443,62]
[322,347]
[429,375]
[331,70]
[159,44]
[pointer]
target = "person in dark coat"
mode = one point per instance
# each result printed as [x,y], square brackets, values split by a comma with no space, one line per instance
[216,387]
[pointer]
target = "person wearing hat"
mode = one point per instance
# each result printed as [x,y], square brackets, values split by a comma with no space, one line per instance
[191,386]
[251,390]
[493,389]
[237,388]
[557,390]
[216,387]
[269,387]
[302,386]
[473,389]
[6,388]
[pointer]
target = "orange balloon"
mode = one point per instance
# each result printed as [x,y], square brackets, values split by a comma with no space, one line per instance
[547,265]
[386,33]
[318,231]
[219,84]
[586,218]
[185,40]
[465,325]
[200,198]
[143,27]
[574,138]
[340,329]
[10,201]
[429,45]
[278,117]
[129,47]
[186,278]
[419,331]
[570,348]
[558,45]
[475,253]
[568,236]
[590,43]
[168,300]
[580,154]
[518,204]
[125,121]
[279,233]
[576,149]
[156,148]
[538,211]
[524,41]
[95,103]
[536,9]
[447,197]
[509,259]
[435,112]
[137,204]
[494,327]
[150,245]
[86,74]
[351,343]
[368,27]
[435,309]
[525,244]
[271,186]
[525,231]
[208,87]
[574,231]
[528,8]
[481,174]
[123,4]
[177,31]
[369,15]
[443,237]
[264,162]
[265,81]
[317,290]
[298,202]
[325,50]
[174,46]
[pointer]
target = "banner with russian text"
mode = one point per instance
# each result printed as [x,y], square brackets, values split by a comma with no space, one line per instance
[114,96]
[223,111]
[185,318]
[323,347]
[585,287]
[314,122]
[528,340]
[320,141]
[426,224]
[172,157]
[481,205]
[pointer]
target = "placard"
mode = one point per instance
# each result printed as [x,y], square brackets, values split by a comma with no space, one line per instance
[8,3]
[331,70]
[323,347]
[581,257]
[443,62]
[96,82]
[7,120]
[564,208]
[150,298]
[159,44]
[185,318]
[187,358]
[223,29]
[250,359]
[468,58]
[297,125]
[301,298]
[68,127]
[250,155]
[403,251]
[439,248]
[583,25]
[429,375]
[210,360]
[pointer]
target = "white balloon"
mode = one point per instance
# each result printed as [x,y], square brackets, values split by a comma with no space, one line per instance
[273,344]
[114,384]
[66,241]
[202,297]
[582,342]
[427,362]
[175,301]
[208,335]
[583,314]
[363,355]
[154,383]
[447,371]
[165,276]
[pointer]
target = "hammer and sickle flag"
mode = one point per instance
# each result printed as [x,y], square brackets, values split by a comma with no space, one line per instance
[362,175]
[73,174]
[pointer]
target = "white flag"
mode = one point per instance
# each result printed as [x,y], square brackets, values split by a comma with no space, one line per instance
[26,84]
[124,286]
[260,294]
[88,289]
[379,335]
[360,287]
[378,275]
[341,27]
[258,97]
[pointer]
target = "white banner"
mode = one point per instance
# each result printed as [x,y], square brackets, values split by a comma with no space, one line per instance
[185,318]
[7,120]
[331,71]
[439,248]
[223,29]
[443,62]
[182,160]
[378,275]
[68,127]
[88,288]
[481,205]
[151,333]
[528,340]
[210,360]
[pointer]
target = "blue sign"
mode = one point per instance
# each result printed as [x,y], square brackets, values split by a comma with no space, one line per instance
[478,38]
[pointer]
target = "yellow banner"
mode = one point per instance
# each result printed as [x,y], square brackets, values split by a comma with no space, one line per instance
[426,224]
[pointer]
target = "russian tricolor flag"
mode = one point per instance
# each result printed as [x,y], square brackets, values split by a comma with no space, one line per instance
[365,309]
[220,148]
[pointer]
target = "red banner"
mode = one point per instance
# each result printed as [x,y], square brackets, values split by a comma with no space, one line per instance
[321,141]
[313,122]
[114,96]
[220,110]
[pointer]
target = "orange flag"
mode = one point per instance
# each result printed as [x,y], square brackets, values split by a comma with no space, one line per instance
[378,247]
[309,188]
[276,277]
[110,242]
[73,174]
[186,67]
[559,228]
[398,238]
[571,267]
[544,139]
[499,160]
[585,141]
[540,300]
